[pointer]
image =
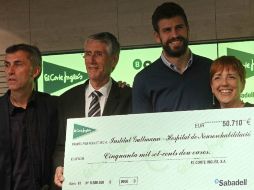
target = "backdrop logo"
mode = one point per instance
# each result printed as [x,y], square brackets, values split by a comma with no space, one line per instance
[80,130]
[137,64]
[56,77]
[246,58]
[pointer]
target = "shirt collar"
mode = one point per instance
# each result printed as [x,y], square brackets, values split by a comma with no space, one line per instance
[104,89]
[172,66]
[13,108]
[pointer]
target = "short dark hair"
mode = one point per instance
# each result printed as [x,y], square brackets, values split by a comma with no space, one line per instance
[33,51]
[109,39]
[167,10]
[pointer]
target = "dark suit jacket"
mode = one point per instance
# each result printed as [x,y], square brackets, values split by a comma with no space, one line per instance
[46,122]
[72,105]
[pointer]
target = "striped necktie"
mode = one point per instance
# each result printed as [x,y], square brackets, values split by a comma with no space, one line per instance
[94,108]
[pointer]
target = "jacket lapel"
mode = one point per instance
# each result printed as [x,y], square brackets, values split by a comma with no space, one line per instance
[5,141]
[113,100]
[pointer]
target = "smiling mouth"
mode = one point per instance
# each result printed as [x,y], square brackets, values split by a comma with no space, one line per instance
[93,67]
[225,91]
[176,41]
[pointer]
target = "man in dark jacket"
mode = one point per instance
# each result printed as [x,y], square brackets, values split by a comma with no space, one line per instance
[28,126]
[101,54]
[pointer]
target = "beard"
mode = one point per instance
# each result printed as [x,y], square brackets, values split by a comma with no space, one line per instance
[180,51]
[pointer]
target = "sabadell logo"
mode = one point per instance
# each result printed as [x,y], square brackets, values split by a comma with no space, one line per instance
[237,182]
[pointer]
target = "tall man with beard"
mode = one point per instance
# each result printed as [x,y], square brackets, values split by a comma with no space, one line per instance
[179,79]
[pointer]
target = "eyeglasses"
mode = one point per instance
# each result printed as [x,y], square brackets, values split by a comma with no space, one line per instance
[96,54]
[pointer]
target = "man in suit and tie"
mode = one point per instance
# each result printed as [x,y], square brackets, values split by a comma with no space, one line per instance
[98,96]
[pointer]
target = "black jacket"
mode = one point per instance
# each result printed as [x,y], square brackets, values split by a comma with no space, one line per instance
[46,122]
[72,105]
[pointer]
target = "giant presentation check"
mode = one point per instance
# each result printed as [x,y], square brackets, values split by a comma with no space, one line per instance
[191,150]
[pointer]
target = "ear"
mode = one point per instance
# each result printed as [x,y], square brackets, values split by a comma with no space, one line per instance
[188,33]
[36,72]
[212,87]
[242,87]
[114,62]
[157,37]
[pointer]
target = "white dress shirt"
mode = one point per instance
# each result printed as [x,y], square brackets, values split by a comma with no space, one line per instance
[103,98]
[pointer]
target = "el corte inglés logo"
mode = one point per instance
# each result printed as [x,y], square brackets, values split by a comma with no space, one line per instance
[247,60]
[80,130]
[56,77]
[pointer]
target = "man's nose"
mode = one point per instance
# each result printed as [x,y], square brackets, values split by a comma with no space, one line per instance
[93,57]
[90,60]
[10,69]
[174,33]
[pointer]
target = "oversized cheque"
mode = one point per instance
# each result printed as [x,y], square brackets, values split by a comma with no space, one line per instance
[191,150]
